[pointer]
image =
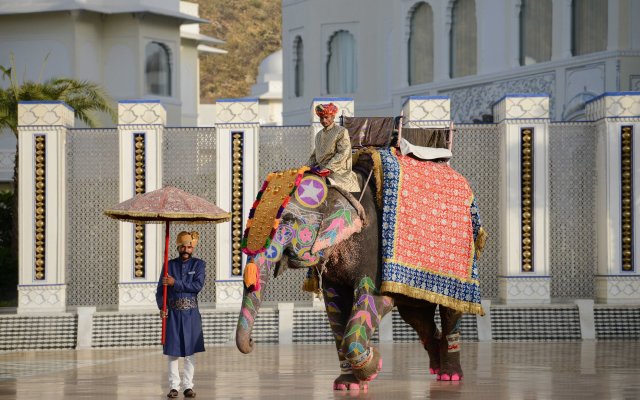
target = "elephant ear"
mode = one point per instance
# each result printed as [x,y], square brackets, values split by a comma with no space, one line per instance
[342,217]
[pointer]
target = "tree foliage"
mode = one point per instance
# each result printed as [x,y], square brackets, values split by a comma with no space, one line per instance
[251,30]
[86,98]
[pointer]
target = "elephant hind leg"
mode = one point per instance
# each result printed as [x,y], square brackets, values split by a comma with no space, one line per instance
[450,368]
[422,321]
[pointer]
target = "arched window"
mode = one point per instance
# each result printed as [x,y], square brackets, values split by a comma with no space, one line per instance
[463,43]
[589,26]
[298,84]
[535,31]
[421,45]
[157,71]
[341,64]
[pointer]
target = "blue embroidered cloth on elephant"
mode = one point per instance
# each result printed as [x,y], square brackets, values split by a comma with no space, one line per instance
[430,225]
[184,323]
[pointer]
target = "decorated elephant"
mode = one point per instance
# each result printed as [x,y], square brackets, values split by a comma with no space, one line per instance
[368,256]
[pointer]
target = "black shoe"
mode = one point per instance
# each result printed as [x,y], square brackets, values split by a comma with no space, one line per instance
[172,394]
[189,393]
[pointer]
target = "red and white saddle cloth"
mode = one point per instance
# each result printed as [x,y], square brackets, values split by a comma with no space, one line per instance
[428,229]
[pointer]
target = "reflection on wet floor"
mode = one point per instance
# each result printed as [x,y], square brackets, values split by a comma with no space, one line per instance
[574,370]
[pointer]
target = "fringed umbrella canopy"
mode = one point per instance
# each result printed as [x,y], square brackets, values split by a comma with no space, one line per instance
[163,206]
[168,204]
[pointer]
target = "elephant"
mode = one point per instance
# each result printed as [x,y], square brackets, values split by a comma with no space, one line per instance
[339,239]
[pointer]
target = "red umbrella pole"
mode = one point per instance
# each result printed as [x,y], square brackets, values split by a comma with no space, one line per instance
[165,273]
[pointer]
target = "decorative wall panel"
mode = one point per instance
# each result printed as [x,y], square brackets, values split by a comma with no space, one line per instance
[92,238]
[572,175]
[476,156]
[471,103]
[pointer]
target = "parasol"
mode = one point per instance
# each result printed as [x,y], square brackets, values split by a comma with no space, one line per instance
[163,206]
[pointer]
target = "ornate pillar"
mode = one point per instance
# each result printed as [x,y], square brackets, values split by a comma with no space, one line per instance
[427,111]
[617,121]
[523,123]
[238,171]
[42,130]
[140,128]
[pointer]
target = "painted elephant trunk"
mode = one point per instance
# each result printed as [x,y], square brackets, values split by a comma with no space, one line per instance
[251,301]
[250,305]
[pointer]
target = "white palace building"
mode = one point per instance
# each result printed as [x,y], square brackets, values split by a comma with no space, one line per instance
[381,52]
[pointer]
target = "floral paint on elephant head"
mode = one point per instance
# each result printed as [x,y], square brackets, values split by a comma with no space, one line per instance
[306,258]
[312,191]
[305,235]
[284,235]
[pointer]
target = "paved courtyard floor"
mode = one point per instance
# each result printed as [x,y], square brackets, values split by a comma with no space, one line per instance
[527,371]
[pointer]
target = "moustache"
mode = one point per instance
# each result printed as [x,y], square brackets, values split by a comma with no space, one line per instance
[183,253]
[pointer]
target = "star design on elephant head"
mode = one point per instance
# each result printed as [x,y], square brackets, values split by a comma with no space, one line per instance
[311,192]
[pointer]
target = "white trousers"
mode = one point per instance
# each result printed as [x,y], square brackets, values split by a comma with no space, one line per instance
[187,372]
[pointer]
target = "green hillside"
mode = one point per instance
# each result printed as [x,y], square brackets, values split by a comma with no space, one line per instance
[251,30]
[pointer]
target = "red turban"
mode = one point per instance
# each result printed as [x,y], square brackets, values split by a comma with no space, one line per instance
[325,110]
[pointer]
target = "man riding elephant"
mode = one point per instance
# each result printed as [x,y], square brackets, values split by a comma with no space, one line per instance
[332,154]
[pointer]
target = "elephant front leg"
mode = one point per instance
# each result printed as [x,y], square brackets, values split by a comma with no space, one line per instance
[450,368]
[338,302]
[368,309]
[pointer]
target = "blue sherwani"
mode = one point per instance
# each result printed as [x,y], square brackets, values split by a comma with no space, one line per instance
[184,324]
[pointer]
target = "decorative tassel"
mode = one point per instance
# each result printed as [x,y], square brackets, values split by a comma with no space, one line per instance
[311,284]
[252,277]
[481,240]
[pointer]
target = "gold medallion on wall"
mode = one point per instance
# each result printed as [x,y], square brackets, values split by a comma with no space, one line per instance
[626,196]
[140,187]
[39,204]
[236,202]
[526,195]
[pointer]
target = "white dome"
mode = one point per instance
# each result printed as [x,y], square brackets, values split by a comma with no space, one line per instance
[270,68]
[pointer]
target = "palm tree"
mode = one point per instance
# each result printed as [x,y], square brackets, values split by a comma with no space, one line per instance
[86,99]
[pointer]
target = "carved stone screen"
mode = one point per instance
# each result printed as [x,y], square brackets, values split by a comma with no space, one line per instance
[285,147]
[92,237]
[189,163]
[476,156]
[572,174]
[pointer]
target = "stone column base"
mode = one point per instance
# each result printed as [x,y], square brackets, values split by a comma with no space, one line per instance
[137,296]
[524,290]
[618,289]
[42,298]
[229,294]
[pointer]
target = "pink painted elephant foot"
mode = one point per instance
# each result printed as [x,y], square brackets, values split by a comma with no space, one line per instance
[349,382]
[452,371]
[446,377]
[370,370]
[434,371]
